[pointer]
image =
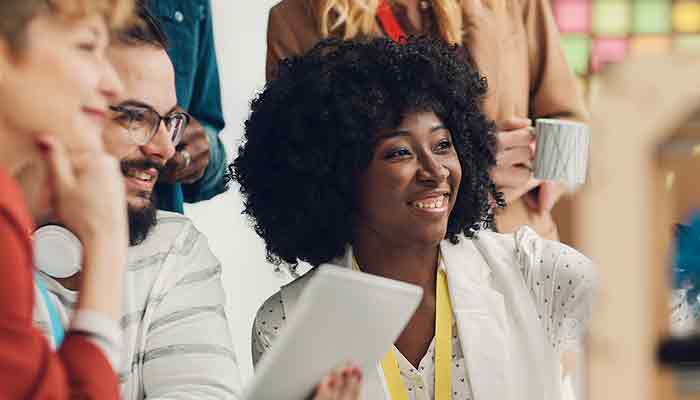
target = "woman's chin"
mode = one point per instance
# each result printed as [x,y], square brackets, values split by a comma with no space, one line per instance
[431,237]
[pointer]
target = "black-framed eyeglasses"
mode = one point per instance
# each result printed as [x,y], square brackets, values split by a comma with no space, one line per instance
[142,123]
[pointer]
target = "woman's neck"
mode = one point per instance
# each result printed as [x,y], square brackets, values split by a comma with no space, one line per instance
[412,264]
[16,151]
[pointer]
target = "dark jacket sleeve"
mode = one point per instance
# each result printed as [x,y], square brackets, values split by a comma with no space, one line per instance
[205,106]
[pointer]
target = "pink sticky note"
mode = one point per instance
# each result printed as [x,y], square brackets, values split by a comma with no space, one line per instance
[607,51]
[572,15]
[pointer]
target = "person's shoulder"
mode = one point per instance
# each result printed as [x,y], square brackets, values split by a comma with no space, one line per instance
[294,11]
[171,217]
[167,221]
[530,249]
[535,253]
[169,227]
[276,304]
[270,318]
[527,238]
[286,6]
[177,226]
[493,239]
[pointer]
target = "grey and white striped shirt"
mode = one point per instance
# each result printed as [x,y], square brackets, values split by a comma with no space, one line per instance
[177,342]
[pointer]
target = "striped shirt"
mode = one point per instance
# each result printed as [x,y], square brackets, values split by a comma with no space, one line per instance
[177,342]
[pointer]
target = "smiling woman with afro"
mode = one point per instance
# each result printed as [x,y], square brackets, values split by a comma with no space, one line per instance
[375,156]
[312,133]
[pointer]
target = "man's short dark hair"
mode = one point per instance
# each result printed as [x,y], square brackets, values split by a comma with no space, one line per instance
[145,29]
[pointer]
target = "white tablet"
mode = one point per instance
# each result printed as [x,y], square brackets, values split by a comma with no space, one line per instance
[342,315]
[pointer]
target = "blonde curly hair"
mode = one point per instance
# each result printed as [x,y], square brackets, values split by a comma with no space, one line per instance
[350,18]
[16,14]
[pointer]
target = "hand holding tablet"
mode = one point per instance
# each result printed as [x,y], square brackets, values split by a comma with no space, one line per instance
[336,320]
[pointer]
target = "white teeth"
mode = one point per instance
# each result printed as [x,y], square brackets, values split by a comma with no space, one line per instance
[436,203]
[142,176]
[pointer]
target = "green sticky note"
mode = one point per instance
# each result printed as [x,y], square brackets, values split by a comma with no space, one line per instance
[611,17]
[651,16]
[687,43]
[577,49]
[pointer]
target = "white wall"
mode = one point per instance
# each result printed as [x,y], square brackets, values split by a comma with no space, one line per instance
[240,29]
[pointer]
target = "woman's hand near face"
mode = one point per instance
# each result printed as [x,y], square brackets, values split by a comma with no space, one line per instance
[87,191]
[341,384]
[88,197]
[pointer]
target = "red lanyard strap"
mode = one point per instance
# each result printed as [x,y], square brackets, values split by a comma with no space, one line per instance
[389,23]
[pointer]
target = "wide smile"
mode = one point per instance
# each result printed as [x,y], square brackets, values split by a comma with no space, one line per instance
[435,204]
[142,180]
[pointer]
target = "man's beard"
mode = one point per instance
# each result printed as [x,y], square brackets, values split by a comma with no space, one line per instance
[141,219]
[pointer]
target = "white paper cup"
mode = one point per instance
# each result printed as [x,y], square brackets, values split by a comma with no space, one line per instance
[562,151]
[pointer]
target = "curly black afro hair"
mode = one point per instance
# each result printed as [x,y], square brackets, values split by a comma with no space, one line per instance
[311,135]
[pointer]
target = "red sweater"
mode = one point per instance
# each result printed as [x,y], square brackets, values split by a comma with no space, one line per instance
[29,368]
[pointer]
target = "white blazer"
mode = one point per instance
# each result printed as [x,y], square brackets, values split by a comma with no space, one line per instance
[507,299]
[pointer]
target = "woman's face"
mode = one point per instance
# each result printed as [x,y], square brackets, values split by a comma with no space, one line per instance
[59,82]
[411,184]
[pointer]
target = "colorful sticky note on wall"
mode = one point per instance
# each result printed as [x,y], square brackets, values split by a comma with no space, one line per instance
[572,15]
[687,43]
[651,16]
[649,45]
[577,49]
[686,16]
[607,51]
[611,17]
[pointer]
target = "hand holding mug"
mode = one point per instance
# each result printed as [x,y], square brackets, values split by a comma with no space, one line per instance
[515,153]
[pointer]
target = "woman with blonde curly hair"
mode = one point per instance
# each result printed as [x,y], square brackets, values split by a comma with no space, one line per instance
[55,87]
[514,43]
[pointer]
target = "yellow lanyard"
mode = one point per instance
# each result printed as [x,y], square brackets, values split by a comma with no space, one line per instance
[443,348]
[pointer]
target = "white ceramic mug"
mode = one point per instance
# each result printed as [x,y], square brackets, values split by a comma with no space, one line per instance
[562,151]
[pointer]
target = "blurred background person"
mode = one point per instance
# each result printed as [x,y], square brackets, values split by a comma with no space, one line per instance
[197,170]
[55,87]
[515,44]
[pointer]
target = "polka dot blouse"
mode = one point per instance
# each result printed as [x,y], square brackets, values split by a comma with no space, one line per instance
[561,287]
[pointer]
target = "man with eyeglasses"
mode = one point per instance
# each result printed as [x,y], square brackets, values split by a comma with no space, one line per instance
[177,342]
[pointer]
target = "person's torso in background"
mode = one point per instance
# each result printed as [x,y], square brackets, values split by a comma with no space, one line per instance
[184,23]
[496,37]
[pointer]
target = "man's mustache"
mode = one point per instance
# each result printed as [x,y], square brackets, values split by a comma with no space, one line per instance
[142,164]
